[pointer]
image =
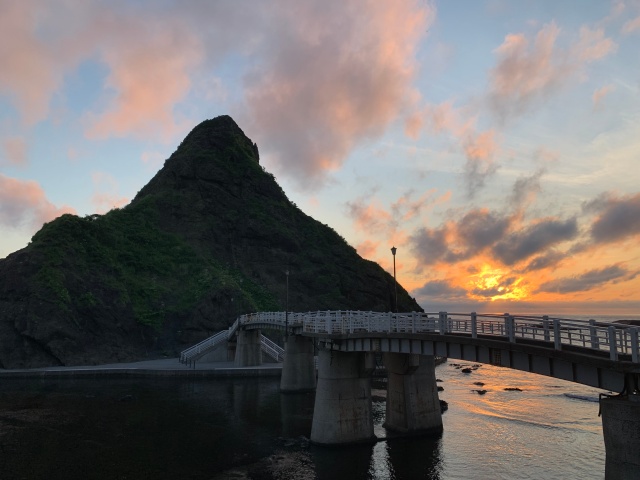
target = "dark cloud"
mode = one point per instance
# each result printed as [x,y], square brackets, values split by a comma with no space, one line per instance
[429,245]
[476,231]
[440,289]
[619,218]
[586,281]
[481,228]
[521,245]
[476,173]
[525,189]
[551,258]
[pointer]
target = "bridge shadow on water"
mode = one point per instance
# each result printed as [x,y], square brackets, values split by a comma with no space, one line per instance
[399,458]
[390,458]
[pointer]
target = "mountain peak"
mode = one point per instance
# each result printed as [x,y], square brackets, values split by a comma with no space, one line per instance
[219,133]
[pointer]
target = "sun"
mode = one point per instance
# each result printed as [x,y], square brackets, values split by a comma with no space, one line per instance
[492,284]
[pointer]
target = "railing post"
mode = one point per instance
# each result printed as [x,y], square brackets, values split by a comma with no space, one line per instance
[474,325]
[557,340]
[508,327]
[635,356]
[613,350]
[512,329]
[413,322]
[545,328]
[389,315]
[593,333]
[442,321]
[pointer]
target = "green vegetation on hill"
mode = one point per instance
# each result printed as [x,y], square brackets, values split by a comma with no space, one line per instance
[126,254]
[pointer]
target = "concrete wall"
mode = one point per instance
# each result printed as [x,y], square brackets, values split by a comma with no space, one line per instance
[248,349]
[222,353]
[621,429]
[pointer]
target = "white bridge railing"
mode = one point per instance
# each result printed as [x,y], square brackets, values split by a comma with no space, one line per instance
[192,354]
[615,339]
[272,349]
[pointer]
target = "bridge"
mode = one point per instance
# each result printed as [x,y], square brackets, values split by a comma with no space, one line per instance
[601,355]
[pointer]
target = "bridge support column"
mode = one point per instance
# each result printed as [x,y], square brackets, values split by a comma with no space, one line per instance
[248,350]
[298,369]
[342,412]
[621,429]
[413,406]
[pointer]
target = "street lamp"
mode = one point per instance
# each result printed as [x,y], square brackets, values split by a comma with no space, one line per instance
[286,313]
[395,284]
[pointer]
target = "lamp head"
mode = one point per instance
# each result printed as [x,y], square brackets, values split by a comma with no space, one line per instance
[393,251]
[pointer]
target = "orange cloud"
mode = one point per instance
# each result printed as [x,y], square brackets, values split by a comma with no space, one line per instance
[24,203]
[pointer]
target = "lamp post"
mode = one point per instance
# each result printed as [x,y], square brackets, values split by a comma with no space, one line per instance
[395,284]
[286,313]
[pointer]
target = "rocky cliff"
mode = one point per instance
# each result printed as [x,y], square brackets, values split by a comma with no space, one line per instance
[208,238]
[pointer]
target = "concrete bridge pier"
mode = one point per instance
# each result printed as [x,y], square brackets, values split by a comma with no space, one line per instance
[413,405]
[298,369]
[342,412]
[248,349]
[621,430]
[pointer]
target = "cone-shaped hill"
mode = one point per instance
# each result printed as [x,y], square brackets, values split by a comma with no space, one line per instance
[210,237]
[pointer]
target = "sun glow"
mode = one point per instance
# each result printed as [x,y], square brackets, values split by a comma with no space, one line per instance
[493,284]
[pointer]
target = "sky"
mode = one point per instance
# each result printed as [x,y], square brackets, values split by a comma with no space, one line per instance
[496,144]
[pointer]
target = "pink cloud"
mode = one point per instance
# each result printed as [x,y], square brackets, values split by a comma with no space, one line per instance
[528,72]
[149,72]
[149,62]
[367,249]
[593,45]
[29,74]
[24,203]
[332,75]
[370,218]
[631,26]
[15,150]
[599,95]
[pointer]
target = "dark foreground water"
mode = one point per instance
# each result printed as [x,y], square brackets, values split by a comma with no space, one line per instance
[244,428]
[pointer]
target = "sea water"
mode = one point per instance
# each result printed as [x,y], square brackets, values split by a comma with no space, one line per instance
[523,426]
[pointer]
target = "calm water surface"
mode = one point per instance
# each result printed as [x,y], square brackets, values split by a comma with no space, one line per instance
[162,429]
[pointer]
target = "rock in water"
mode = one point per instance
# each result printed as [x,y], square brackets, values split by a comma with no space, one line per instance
[207,239]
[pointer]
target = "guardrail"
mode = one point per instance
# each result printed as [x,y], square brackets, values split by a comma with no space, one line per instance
[190,355]
[272,349]
[615,339]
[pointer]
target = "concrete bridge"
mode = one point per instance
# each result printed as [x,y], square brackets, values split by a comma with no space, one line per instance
[601,355]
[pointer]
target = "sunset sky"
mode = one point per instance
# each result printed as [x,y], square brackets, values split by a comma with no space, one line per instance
[495,143]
